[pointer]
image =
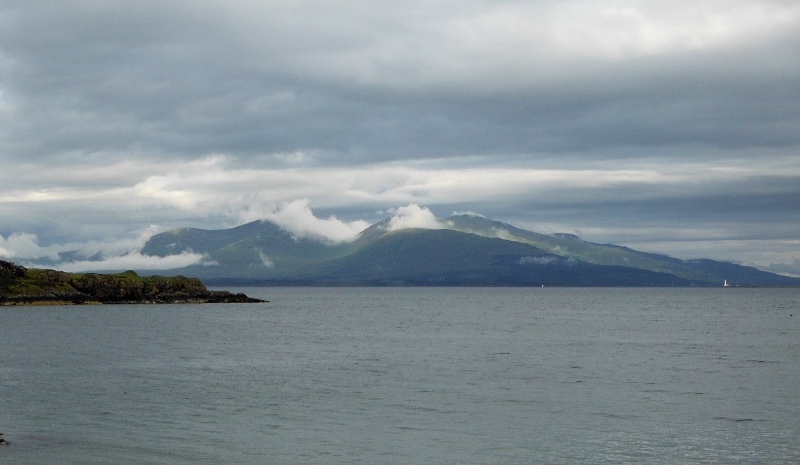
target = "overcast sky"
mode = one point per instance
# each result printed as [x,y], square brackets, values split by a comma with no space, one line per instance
[665,126]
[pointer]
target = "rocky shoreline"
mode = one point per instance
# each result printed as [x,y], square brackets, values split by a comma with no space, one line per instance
[23,286]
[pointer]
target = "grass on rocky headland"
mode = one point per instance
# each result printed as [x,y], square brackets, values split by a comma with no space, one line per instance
[23,286]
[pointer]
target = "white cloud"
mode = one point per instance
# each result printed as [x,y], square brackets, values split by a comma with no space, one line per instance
[609,29]
[546,260]
[133,261]
[26,246]
[120,254]
[265,259]
[503,233]
[413,216]
[297,218]
[489,46]
[468,213]
[116,247]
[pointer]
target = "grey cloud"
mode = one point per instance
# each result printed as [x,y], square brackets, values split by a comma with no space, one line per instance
[791,269]
[183,80]
[752,209]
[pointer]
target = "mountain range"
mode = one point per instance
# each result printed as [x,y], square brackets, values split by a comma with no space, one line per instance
[465,250]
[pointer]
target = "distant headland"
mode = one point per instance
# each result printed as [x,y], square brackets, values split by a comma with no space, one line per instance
[23,286]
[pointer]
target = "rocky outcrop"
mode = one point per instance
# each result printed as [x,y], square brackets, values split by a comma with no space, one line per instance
[21,286]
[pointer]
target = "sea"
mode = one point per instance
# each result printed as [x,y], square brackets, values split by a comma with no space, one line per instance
[408,376]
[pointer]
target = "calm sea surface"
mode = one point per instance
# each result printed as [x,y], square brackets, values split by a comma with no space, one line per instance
[408,376]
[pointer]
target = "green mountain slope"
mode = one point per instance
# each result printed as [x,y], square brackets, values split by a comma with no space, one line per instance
[572,246]
[470,250]
[446,257]
[254,249]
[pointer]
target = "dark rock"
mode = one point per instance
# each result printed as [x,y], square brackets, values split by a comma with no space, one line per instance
[12,270]
[226,297]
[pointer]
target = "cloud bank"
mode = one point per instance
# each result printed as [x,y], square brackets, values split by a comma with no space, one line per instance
[24,248]
[133,261]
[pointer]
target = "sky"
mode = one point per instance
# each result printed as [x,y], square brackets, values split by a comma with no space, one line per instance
[671,127]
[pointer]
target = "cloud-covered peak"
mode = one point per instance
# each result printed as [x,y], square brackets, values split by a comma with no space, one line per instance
[298,219]
[413,216]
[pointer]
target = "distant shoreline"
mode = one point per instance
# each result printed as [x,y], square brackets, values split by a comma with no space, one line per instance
[312,284]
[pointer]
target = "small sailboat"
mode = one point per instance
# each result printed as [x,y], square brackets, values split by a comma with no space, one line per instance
[725,284]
